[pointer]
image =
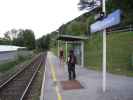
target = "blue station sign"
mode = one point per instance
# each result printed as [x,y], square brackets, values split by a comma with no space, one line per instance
[110,20]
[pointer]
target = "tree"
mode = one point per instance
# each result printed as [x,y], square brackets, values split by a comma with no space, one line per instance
[43,43]
[126,6]
[61,29]
[47,42]
[25,38]
[4,41]
[11,34]
[7,35]
[28,39]
[20,37]
[19,41]
[88,4]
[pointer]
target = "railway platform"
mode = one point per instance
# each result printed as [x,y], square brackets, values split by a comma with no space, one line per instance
[87,86]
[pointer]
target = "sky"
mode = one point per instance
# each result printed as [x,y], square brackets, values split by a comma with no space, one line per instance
[42,16]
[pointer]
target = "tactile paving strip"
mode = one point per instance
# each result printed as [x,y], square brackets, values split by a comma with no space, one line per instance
[71,84]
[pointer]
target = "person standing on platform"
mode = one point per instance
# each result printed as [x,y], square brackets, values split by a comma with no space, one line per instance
[71,65]
[61,56]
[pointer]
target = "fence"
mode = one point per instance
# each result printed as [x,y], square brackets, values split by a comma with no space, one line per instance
[128,28]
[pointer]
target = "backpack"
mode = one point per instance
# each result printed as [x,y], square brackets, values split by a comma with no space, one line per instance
[72,59]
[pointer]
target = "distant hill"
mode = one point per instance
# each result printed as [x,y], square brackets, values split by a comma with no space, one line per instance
[80,25]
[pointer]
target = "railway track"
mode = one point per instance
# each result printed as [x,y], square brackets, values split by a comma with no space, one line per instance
[17,86]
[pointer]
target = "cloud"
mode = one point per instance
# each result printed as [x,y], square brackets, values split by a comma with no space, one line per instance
[42,16]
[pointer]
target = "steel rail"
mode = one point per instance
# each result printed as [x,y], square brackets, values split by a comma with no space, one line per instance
[43,82]
[16,74]
[31,77]
[31,80]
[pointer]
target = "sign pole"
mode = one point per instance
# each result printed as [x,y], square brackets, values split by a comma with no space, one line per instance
[104,50]
[110,20]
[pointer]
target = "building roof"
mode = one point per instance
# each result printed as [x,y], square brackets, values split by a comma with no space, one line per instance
[9,48]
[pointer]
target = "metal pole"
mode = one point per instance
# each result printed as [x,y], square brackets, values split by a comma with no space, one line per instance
[66,51]
[130,27]
[104,51]
[104,60]
[58,48]
[82,54]
[58,45]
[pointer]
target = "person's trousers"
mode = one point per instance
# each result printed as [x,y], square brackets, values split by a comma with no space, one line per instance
[71,71]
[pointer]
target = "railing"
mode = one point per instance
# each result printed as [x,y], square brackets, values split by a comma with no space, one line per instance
[128,28]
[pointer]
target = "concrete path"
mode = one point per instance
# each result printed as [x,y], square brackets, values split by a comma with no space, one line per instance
[118,87]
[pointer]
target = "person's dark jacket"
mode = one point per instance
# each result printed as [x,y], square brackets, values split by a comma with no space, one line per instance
[72,59]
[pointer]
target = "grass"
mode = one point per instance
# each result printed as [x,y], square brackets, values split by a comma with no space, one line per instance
[119,53]
[11,64]
[93,52]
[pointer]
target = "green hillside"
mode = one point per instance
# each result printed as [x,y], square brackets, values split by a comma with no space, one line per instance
[119,45]
[81,25]
[119,52]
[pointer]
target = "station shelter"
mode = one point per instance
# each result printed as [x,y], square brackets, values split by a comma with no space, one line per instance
[73,42]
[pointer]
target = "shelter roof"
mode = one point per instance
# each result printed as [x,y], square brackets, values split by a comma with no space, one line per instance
[71,38]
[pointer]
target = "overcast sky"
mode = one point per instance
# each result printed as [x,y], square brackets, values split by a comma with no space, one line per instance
[42,16]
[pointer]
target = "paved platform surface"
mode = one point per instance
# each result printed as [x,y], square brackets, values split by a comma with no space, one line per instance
[118,87]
